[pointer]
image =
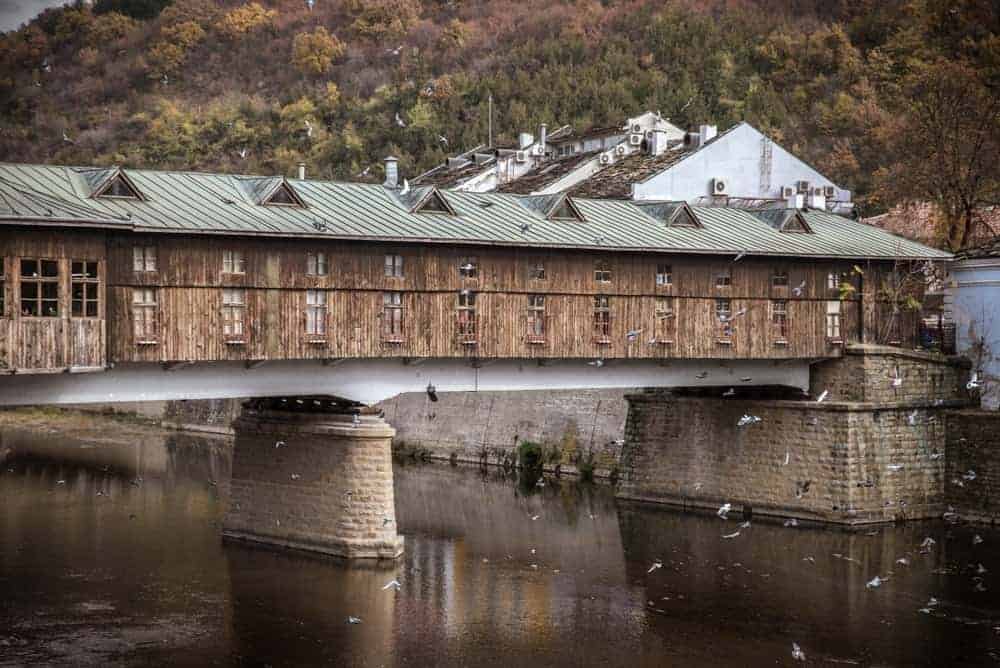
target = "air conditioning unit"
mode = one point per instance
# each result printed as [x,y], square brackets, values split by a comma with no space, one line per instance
[829,191]
[521,156]
[649,134]
[620,149]
[537,150]
[719,186]
[635,140]
[636,128]
[605,158]
[802,187]
[787,191]
[818,191]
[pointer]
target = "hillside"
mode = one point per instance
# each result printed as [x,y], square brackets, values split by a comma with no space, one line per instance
[257,87]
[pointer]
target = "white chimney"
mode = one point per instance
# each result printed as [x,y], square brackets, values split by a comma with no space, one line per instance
[658,142]
[302,171]
[817,200]
[706,132]
[541,137]
[391,172]
[524,140]
[795,201]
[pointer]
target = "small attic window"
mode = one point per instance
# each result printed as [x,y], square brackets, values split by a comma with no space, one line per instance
[118,188]
[684,218]
[565,211]
[284,196]
[796,225]
[434,204]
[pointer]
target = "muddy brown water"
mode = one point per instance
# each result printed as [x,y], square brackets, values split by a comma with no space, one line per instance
[110,555]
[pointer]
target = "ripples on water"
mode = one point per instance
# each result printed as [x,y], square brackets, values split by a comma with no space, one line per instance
[110,554]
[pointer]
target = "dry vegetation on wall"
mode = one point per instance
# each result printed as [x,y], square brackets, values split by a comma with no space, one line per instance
[258,86]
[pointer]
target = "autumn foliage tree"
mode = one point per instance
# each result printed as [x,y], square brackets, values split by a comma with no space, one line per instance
[314,52]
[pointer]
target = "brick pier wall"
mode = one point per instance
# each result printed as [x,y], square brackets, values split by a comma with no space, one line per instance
[328,487]
[974,448]
[871,452]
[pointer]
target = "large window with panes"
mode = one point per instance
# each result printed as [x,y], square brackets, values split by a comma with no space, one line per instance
[392,317]
[39,280]
[85,290]
[466,316]
[779,320]
[145,328]
[724,317]
[833,320]
[602,319]
[602,271]
[664,275]
[316,314]
[536,318]
[234,309]
[665,327]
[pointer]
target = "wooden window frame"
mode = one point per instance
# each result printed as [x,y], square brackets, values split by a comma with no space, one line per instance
[234,262]
[665,323]
[145,317]
[316,316]
[664,275]
[723,278]
[602,271]
[317,264]
[833,322]
[601,323]
[536,324]
[780,279]
[833,281]
[466,273]
[90,286]
[393,317]
[779,321]
[144,259]
[724,319]
[393,266]
[466,319]
[3,287]
[536,272]
[234,316]
[40,280]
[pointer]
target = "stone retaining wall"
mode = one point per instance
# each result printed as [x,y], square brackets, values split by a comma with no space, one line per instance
[973,470]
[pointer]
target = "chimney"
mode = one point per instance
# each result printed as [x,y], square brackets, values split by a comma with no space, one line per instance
[658,142]
[391,172]
[706,133]
[302,171]
[795,201]
[524,140]
[541,137]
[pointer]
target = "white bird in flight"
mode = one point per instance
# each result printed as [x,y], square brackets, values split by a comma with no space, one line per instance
[392,584]
[309,128]
[399,120]
[797,291]
[66,139]
[406,187]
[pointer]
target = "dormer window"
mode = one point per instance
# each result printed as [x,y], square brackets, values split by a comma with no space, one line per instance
[683,218]
[284,196]
[118,188]
[565,210]
[796,224]
[434,203]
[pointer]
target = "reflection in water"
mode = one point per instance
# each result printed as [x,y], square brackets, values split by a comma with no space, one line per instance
[121,563]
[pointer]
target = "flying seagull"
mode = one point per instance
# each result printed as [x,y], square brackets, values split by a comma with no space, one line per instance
[797,291]
[366,171]
[399,120]
[406,187]
[740,256]
[309,128]
[67,139]
[392,584]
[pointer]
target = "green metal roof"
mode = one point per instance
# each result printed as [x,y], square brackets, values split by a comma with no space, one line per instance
[201,203]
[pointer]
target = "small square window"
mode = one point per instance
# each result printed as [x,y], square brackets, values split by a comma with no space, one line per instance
[393,265]
[664,275]
[723,278]
[537,271]
[779,279]
[602,271]
[316,264]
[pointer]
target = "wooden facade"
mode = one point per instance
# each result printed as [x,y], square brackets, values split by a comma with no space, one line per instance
[183,298]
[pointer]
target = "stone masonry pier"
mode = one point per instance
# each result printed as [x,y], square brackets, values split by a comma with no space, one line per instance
[313,474]
[873,451]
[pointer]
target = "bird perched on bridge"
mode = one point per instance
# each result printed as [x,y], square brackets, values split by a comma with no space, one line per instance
[597,363]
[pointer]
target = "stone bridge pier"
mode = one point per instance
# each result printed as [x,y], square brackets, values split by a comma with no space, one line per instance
[315,474]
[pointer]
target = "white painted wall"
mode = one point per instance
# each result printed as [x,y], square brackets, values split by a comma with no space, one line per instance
[738,156]
[975,309]
[371,381]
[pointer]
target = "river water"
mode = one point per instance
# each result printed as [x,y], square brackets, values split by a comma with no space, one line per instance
[110,555]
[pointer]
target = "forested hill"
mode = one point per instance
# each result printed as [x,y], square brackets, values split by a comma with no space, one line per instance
[256,87]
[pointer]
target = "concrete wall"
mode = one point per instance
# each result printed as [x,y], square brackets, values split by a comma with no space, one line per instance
[974,449]
[574,426]
[739,157]
[975,288]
